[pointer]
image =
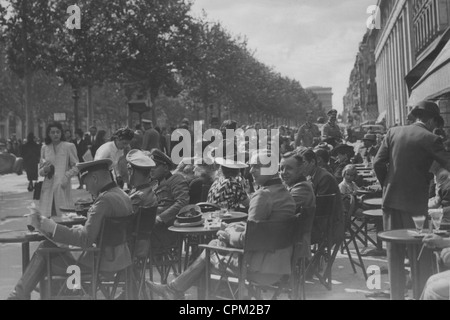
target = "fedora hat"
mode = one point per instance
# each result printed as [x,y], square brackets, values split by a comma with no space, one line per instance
[91,166]
[139,159]
[370,137]
[429,107]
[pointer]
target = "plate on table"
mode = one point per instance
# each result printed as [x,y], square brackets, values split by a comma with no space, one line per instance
[67,209]
[189,224]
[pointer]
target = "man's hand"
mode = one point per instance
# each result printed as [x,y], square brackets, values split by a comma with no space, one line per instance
[159,221]
[433,241]
[223,236]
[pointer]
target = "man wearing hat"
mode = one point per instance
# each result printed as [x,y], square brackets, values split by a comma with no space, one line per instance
[308,132]
[370,149]
[151,136]
[402,165]
[343,154]
[110,201]
[172,193]
[331,131]
[139,166]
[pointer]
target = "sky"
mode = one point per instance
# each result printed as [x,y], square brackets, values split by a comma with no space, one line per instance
[312,41]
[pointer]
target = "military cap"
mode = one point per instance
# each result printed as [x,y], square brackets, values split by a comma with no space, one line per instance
[91,166]
[147,121]
[161,158]
[370,137]
[139,159]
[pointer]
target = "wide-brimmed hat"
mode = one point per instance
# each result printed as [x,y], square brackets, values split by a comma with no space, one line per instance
[91,166]
[370,137]
[428,107]
[230,163]
[343,149]
[139,159]
[324,146]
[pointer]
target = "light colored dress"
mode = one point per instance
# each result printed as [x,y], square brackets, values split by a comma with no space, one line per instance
[58,189]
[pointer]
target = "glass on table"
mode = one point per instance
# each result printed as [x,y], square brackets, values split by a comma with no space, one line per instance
[419,221]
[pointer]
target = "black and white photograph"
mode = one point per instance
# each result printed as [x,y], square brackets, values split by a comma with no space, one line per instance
[225,154]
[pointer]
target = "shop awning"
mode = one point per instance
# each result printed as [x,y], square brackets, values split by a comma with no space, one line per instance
[436,80]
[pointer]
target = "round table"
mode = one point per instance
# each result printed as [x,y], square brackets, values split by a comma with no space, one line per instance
[374,202]
[377,215]
[409,238]
[371,180]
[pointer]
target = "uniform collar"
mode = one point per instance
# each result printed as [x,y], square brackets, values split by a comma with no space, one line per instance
[108,187]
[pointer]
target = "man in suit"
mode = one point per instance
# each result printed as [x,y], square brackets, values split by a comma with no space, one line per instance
[81,146]
[110,202]
[90,141]
[151,136]
[402,165]
[271,202]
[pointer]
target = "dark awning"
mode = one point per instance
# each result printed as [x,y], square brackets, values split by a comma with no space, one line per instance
[436,80]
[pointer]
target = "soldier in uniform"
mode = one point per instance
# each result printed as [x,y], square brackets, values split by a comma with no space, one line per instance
[172,193]
[139,165]
[308,133]
[331,133]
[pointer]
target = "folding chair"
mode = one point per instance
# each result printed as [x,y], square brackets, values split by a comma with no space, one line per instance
[350,234]
[322,239]
[141,254]
[114,232]
[261,236]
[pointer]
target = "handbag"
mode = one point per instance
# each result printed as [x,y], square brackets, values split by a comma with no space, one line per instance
[37,190]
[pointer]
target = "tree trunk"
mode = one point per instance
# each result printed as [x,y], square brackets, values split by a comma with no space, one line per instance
[89,109]
[29,119]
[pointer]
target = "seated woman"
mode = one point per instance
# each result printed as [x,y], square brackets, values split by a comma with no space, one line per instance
[228,189]
[348,189]
[343,154]
[442,197]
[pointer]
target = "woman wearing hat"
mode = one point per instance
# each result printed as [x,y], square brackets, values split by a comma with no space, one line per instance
[228,190]
[343,154]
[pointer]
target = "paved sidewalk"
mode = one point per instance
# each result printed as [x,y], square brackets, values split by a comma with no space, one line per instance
[14,198]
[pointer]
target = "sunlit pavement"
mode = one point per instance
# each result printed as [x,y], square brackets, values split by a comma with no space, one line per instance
[14,198]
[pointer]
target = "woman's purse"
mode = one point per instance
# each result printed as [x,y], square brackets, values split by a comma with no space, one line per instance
[37,190]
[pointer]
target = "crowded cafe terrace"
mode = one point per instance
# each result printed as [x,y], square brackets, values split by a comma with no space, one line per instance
[140,226]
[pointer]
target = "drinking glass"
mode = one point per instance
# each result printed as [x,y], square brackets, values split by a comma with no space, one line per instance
[419,222]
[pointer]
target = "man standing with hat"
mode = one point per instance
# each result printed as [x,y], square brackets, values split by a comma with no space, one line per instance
[402,165]
[331,133]
[308,132]
[110,201]
[172,193]
[151,136]
[139,166]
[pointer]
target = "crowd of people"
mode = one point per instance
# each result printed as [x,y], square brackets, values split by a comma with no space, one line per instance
[312,162]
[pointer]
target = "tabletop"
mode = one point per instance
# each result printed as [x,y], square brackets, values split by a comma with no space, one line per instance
[370,179]
[15,236]
[402,236]
[373,213]
[374,202]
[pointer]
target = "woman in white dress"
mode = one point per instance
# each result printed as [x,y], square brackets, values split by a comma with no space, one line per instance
[57,165]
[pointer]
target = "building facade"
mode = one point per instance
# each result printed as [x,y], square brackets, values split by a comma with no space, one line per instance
[360,101]
[325,96]
[412,35]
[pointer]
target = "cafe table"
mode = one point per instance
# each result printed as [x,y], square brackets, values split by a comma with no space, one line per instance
[192,235]
[410,239]
[25,237]
[373,202]
[370,180]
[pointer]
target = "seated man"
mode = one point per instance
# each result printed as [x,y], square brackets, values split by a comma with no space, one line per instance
[271,202]
[172,193]
[438,285]
[110,202]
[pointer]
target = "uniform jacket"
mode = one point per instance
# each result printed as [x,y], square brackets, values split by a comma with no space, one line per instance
[112,202]
[272,203]
[143,196]
[58,189]
[306,135]
[172,194]
[331,131]
[402,165]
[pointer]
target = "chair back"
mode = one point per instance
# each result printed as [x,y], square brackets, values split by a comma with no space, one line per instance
[116,231]
[322,223]
[270,235]
[144,222]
